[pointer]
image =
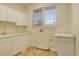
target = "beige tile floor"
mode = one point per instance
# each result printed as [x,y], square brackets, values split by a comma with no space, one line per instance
[34,51]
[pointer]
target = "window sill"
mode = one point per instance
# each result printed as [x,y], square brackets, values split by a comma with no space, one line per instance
[50,26]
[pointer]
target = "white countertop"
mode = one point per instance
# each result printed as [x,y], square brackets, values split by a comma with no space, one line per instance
[12,35]
[67,35]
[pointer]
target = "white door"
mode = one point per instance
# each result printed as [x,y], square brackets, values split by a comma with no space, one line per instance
[42,39]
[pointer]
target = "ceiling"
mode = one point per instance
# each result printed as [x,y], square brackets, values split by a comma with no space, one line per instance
[25,4]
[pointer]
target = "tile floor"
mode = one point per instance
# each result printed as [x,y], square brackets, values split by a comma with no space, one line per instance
[34,51]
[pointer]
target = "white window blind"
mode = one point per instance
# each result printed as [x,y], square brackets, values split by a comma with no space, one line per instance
[38,17]
[50,16]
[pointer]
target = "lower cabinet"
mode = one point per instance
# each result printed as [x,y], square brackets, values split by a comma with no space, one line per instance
[20,44]
[65,46]
[12,45]
[16,45]
[6,47]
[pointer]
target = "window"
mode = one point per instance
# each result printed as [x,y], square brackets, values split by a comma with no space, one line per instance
[48,17]
[38,17]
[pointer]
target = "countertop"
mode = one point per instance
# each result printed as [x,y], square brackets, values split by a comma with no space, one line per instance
[13,35]
[67,35]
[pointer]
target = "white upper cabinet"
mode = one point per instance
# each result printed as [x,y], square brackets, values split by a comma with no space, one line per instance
[11,15]
[3,13]
[21,19]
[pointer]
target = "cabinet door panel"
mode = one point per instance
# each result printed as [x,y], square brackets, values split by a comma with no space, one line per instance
[21,19]
[16,45]
[20,44]
[65,46]
[12,15]
[13,45]
[25,42]
[6,47]
[3,13]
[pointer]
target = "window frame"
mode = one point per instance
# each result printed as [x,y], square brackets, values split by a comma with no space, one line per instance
[43,18]
[48,25]
[34,25]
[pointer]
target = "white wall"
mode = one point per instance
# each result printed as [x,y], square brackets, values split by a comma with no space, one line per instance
[75,19]
[11,28]
[64,21]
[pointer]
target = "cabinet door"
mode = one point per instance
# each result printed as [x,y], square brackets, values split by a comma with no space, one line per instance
[65,46]
[21,19]
[24,19]
[6,47]
[20,44]
[25,40]
[3,13]
[16,45]
[11,15]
